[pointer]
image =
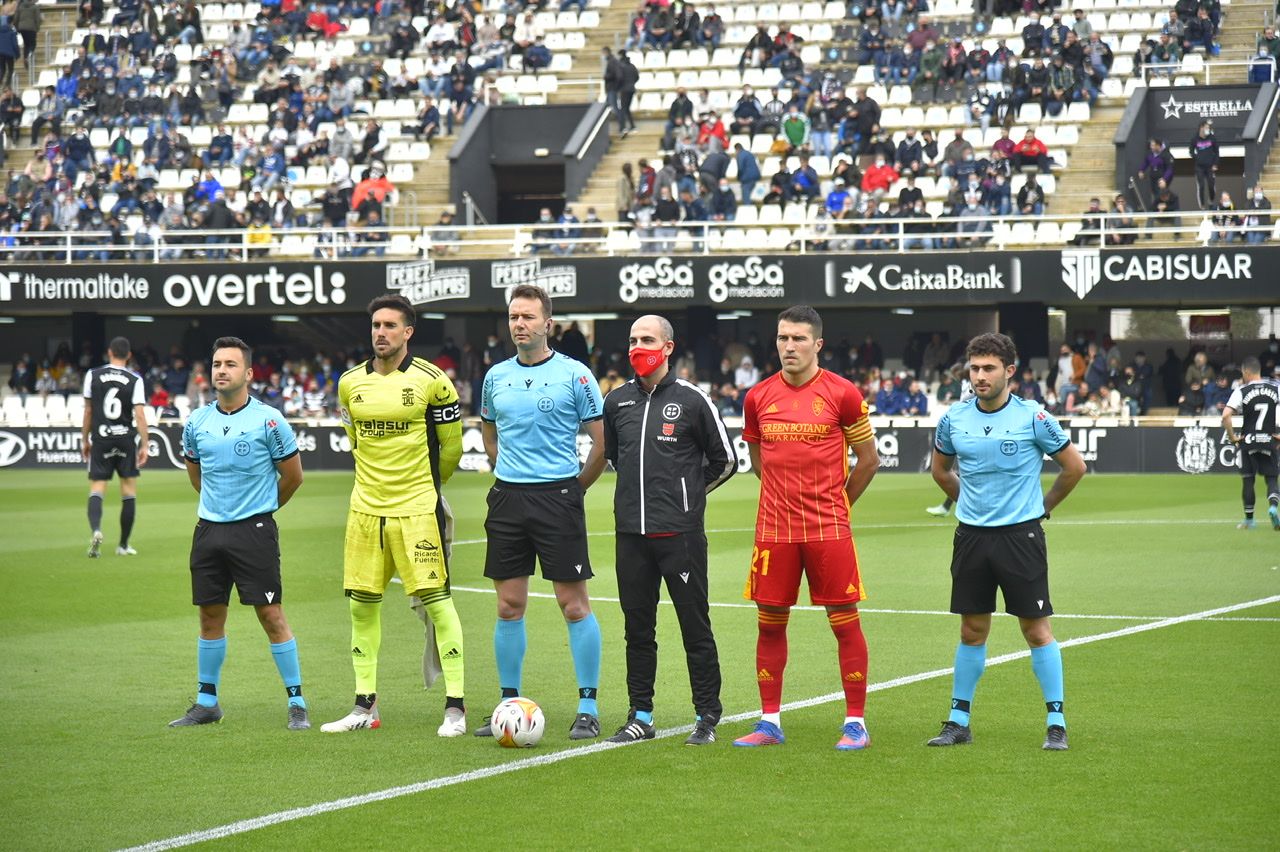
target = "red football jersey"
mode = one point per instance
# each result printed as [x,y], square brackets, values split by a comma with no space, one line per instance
[804,435]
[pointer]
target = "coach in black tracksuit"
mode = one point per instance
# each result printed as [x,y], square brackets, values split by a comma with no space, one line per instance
[670,448]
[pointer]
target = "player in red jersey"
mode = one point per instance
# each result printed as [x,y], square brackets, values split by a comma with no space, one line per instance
[799,425]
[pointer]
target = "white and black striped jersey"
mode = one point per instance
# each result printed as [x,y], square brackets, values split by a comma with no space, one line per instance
[111,392]
[1259,404]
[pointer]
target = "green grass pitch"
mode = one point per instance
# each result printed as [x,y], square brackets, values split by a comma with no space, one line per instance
[1173,744]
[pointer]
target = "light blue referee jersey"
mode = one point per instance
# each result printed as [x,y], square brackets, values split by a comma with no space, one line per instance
[1000,455]
[537,409]
[237,452]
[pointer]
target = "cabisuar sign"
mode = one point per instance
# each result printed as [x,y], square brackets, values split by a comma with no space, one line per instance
[1212,275]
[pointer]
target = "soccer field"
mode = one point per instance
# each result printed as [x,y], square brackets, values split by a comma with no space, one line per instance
[1169,617]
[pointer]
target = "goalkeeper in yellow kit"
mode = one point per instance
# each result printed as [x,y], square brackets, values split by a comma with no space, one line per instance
[405,425]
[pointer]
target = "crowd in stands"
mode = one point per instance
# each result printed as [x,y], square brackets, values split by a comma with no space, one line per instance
[1085,379]
[125,75]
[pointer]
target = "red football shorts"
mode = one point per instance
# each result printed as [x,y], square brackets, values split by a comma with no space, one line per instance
[830,566]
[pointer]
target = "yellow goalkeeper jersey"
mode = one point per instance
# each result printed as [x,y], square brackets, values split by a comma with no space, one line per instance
[406,435]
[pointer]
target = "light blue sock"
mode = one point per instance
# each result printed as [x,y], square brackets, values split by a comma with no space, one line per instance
[209,657]
[1046,662]
[509,643]
[285,655]
[971,660]
[645,716]
[584,645]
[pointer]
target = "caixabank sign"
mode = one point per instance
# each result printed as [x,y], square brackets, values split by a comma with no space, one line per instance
[1127,449]
[1211,276]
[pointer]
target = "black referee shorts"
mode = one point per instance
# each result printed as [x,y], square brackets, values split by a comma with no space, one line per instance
[1013,559]
[1258,463]
[110,456]
[545,520]
[246,553]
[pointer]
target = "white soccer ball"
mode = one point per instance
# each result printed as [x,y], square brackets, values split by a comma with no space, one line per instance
[517,723]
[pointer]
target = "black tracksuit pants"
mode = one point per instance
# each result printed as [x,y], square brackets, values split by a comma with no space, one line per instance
[643,563]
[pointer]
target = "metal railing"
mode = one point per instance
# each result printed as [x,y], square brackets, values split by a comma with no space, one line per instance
[214,245]
[884,234]
[888,234]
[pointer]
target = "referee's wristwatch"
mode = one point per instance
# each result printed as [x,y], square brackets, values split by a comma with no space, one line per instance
[1045,516]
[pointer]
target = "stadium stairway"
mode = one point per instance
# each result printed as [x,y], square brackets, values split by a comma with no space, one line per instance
[587,64]
[1242,23]
[1093,163]
[601,190]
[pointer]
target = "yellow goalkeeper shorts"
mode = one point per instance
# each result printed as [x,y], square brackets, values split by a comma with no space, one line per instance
[377,548]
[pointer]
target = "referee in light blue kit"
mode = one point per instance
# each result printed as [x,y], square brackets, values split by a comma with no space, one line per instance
[987,456]
[531,409]
[243,461]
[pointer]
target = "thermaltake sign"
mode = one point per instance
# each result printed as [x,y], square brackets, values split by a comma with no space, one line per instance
[1084,269]
[102,288]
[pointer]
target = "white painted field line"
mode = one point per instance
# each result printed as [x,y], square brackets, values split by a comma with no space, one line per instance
[243,826]
[935,612]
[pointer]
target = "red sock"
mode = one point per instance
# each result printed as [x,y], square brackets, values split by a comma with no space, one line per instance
[852,645]
[771,658]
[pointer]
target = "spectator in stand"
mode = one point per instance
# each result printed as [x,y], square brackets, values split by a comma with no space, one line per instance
[711,31]
[805,182]
[1165,201]
[1216,394]
[1166,56]
[1031,198]
[1029,388]
[1030,151]
[1257,217]
[889,400]
[1076,401]
[722,205]
[537,56]
[1062,86]
[657,28]
[1157,165]
[909,194]
[909,155]
[1226,222]
[1191,400]
[1262,68]
[1131,392]
[951,386]
[878,178]
[1200,370]
[974,228]
[666,216]
[914,402]
[1201,34]
[748,172]
[1122,230]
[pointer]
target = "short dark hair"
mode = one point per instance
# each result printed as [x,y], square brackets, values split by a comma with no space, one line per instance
[532,291]
[119,347]
[1251,365]
[805,314]
[395,302]
[234,343]
[993,343]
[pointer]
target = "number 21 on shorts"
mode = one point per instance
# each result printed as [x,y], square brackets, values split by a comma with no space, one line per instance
[759,567]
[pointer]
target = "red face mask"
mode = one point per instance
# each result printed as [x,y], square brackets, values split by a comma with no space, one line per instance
[646,361]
